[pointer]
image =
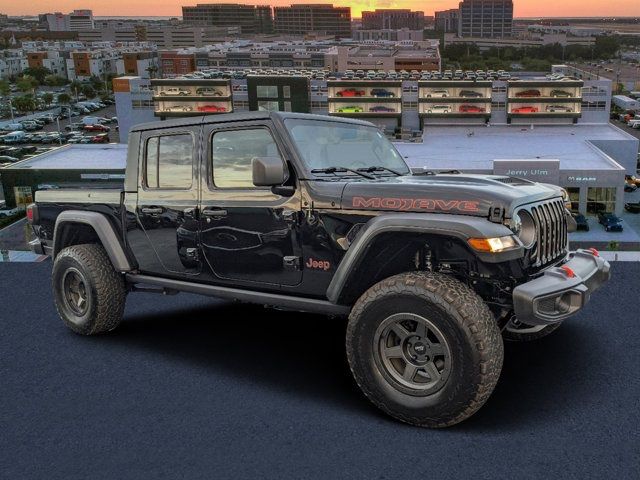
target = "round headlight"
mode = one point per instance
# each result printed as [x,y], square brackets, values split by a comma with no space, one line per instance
[527,228]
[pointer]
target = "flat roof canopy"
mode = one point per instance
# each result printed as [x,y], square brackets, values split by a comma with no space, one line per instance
[112,156]
[475,147]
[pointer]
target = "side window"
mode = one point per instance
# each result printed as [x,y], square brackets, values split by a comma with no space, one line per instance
[232,152]
[169,162]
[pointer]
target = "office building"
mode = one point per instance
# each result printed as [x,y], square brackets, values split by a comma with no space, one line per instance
[392,19]
[249,18]
[74,21]
[447,20]
[486,18]
[301,19]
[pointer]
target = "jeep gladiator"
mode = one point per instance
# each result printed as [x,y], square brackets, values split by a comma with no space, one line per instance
[322,214]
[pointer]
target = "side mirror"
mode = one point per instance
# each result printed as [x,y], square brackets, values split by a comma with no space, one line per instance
[268,171]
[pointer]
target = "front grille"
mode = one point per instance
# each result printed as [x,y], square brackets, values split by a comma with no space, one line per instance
[551,227]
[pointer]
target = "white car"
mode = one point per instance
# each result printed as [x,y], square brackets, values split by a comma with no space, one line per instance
[438,109]
[178,108]
[437,94]
[175,91]
[558,108]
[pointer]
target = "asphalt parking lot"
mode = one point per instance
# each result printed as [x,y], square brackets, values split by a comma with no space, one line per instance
[192,387]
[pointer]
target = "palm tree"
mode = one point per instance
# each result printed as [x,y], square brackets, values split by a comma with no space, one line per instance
[47,98]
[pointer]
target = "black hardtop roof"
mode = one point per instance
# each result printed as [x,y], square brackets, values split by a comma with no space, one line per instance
[236,117]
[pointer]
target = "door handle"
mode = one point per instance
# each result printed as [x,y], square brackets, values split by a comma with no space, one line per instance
[151,210]
[214,213]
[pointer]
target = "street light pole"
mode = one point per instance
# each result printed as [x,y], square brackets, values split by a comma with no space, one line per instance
[11,108]
[59,132]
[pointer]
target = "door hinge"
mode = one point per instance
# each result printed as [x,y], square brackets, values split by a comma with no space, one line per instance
[291,263]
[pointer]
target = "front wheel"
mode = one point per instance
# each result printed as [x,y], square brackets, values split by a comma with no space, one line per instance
[89,293]
[424,348]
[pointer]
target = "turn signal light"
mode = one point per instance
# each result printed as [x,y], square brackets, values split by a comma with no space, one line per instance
[568,270]
[595,252]
[30,212]
[493,245]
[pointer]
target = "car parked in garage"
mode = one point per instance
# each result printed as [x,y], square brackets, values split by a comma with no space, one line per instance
[209,92]
[381,93]
[350,109]
[438,109]
[560,94]
[382,109]
[558,109]
[470,94]
[610,222]
[438,94]
[528,93]
[351,92]
[525,109]
[211,109]
[175,91]
[471,109]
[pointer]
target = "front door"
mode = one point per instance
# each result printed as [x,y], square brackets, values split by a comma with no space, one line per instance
[166,210]
[247,233]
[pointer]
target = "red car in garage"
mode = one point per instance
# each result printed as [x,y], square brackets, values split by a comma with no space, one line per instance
[211,108]
[527,109]
[471,109]
[350,92]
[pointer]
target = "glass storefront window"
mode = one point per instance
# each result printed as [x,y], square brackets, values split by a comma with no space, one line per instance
[574,197]
[601,199]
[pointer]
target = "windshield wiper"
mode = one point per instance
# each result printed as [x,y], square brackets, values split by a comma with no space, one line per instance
[380,169]
[342,170]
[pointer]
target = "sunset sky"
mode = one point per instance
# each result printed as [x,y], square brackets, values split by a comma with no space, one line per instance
[523,8]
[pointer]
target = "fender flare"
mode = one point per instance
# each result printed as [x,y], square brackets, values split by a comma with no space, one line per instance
[461,227]
[103,229]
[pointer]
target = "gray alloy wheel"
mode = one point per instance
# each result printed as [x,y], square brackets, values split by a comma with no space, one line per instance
[412,353]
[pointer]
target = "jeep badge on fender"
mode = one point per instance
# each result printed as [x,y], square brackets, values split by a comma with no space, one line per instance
[321,214]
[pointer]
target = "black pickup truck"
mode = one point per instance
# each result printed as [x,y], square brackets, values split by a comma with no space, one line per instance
[320,214]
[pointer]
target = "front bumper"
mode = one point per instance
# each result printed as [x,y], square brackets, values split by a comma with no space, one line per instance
[561,291]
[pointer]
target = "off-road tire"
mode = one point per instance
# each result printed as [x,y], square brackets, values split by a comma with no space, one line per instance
[468,327]
[105,289]
[511,336]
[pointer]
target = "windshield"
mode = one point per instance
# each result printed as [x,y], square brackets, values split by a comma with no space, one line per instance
[325,144]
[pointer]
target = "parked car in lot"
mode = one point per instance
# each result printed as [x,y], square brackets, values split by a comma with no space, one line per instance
[212,108]
[381,93]
[471,109]
[178,108]
[382,109]
[582,224]
[102,138]
[8,159]
[175,91]
[470,94]
[558,108]
[560,94]
[610,222]
[438,109]
[525,109]
[632,207]
[438,94]
[96,128]
[209,92]
[350,109]
[630,187]
[351,92]
[528,93]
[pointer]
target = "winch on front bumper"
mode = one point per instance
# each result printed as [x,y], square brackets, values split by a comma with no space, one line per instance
[561,291]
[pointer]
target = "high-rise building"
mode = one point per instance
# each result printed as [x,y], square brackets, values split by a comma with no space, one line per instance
[250,18]
[392,19]
[448,20]
[299,19]
[76,20]
[486,18]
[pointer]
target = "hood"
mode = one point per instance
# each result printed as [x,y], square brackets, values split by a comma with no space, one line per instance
[475,195]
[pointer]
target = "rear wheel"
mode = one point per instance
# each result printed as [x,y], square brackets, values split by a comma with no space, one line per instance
[89,293]
[424,348]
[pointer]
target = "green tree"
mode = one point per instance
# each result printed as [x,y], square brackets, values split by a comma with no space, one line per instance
[37,72]
[47,98]
[24,103]
[5,88]
[88,91]
[26,83]
[55,81]
[64,99]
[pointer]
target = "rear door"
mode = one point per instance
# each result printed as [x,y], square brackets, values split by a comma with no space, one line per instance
[166,209]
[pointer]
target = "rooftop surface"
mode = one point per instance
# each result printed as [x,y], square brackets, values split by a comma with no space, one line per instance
[112,156]
[476,147]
